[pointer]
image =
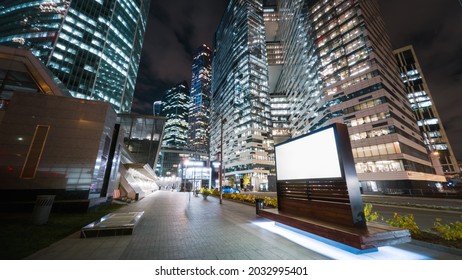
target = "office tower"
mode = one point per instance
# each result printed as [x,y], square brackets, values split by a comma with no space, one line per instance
[241,120]
[280,104]
[427,116]
[175,107]
[280,115]
[333,62]
[157,108]
[339,67]
[199,112]
[93,47]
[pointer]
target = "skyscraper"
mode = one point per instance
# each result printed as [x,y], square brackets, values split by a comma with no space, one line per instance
[92,46]
[199,112]
[175,107]
[333,62]
[240,94]
[422,104]
[157,108]
[339,67]
[280,104]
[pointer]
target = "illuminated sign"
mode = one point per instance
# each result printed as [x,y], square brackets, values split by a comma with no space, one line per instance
[311,156]
[194,163]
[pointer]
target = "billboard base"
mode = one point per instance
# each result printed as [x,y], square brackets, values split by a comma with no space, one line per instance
[361,240]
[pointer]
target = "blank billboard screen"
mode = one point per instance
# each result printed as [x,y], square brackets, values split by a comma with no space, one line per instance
[314,156]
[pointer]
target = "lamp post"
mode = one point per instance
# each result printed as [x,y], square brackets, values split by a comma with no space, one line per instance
[184,176]
[223,121]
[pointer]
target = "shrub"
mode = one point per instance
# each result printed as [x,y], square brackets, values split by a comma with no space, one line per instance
[370,216]
[271,201]
[406,222]
[206,191]
[452,231]
[248,198]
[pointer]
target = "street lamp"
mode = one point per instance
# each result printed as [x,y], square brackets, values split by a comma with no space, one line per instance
[223,121]
[184,163]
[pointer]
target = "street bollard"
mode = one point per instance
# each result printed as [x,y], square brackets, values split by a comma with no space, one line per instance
[259,204]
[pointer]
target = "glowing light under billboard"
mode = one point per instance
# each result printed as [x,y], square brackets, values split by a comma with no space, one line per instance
[313,156]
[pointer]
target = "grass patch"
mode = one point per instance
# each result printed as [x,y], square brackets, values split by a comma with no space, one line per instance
[19,237]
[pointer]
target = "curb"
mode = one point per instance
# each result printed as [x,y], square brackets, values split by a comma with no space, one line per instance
[437,247]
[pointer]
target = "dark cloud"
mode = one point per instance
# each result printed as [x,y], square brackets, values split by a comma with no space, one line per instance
[434,28]
[176,28]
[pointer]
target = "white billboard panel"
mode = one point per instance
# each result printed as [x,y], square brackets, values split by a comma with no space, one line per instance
[313,156]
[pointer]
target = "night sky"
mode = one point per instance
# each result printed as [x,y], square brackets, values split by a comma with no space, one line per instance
[434,27]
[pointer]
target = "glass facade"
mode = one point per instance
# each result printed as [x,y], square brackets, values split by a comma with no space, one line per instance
[240,94]
[157,108]
[142,136]
[20,71]
[428,120]
[93,47]
[280,115]
[13,78]
[199,112]
[338,66]
[280,105]
[175,107]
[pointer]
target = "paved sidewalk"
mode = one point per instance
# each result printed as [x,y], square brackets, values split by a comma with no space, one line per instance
[179,226]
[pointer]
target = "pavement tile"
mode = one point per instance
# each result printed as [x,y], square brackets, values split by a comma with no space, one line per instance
[176,226]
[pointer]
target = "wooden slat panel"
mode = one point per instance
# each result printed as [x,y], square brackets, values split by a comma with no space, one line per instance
[329,191]
[322,200]
[321,210]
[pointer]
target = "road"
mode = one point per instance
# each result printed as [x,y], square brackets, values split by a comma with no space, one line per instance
[424,209]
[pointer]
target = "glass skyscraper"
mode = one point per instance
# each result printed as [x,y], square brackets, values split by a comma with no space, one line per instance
[174,147]
[339,67]
[199,112]
[175,107]
[280,105]
[323,62]
[422,104]
[92,46]
[157,108]
[240,95]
